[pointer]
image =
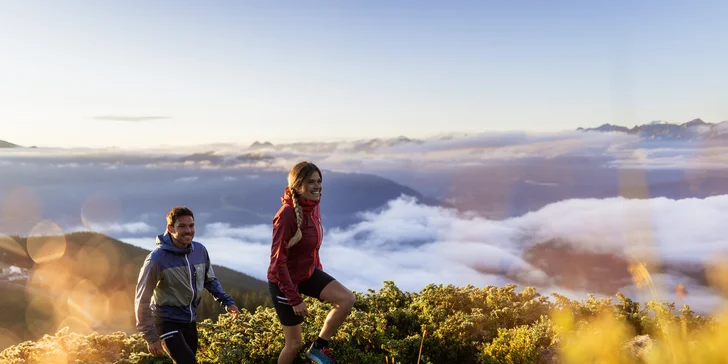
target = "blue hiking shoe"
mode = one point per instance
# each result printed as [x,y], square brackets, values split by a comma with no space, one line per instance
[320,356]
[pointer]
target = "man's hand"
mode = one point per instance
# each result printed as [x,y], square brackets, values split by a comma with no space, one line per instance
[301,309]
[156,348]
[234,310]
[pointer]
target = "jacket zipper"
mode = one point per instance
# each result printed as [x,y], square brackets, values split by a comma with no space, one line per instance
[318,241]
[191,285]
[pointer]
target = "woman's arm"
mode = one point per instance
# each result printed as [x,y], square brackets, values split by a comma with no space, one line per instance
[284,227]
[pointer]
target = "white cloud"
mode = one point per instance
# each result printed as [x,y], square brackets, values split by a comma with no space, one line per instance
[239,254]
[677,155]
[415,245]
[370,156]
[252,233]
[351,155]
[116,229]
[477,149]
[683,231]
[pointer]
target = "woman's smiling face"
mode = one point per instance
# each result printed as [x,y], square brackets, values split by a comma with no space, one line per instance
[311,188]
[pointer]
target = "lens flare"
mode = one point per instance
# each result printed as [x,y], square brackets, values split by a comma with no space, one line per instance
[86,303]
[46,242]
[98,260]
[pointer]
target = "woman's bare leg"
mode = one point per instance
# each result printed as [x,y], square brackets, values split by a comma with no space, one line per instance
[294,343]
[343,300]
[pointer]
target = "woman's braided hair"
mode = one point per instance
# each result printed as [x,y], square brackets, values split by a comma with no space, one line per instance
[296,178]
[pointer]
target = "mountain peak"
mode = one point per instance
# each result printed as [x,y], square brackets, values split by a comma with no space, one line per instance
[664,130]
[607,128]
[259,145]
[695,122]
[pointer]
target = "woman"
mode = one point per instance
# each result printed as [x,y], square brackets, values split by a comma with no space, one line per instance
[295,267]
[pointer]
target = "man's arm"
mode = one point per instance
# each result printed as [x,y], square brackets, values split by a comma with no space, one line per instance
[148,276]
[213,286]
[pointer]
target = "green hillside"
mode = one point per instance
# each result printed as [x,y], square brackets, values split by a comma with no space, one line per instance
[87,281]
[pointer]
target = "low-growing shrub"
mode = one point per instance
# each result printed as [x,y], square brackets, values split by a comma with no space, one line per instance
[439,324]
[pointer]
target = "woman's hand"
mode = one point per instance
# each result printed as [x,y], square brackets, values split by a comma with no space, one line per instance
[301,309]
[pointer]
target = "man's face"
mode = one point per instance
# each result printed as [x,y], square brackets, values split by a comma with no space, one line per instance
[183,230]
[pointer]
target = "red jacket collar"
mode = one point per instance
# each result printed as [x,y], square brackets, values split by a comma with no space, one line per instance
[308,206]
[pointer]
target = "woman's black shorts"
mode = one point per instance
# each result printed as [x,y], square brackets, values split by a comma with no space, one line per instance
[311,287]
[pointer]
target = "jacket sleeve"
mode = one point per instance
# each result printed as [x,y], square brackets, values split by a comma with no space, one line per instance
[284,227]
[318,255]
[213,286]
[147,281]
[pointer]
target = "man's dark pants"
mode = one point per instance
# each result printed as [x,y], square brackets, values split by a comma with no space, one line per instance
[179,340]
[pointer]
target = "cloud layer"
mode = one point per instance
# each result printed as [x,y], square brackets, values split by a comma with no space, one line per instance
[565,243]
[415,245]
[613,150]
[115,229]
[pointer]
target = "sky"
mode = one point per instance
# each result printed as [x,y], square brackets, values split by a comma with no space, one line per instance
[139,74]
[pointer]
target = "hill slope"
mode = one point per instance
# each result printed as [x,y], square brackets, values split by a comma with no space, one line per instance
[4,144]
[86,281]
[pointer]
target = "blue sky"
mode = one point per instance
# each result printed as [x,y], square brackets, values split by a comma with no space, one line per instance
[322,70]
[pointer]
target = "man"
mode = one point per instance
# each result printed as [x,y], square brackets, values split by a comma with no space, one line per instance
[170,286]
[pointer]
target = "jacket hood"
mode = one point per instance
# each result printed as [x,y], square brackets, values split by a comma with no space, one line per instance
[164,241]
[308,205]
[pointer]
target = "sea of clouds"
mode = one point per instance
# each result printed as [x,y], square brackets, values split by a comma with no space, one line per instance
[615,150]
[414,244]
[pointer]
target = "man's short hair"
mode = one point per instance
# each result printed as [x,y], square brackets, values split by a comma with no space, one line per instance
[177,212]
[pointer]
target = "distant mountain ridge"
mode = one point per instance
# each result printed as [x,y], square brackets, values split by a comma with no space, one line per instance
[4,144]
[695,129]
[361,145]
[264,154]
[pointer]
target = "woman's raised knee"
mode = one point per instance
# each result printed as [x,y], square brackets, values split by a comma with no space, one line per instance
[347,301]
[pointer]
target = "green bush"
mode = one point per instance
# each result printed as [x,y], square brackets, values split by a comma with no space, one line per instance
[524,344]
[439,324]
